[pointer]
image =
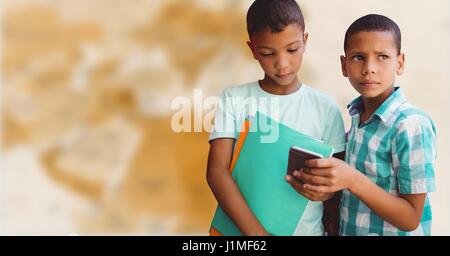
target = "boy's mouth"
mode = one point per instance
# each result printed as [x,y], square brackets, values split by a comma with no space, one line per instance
[283,76]
[369,82]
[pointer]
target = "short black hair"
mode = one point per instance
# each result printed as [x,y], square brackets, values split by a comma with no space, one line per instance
[274,15]
[374,22]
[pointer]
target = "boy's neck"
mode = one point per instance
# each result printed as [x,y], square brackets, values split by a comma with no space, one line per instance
[372,104]
[270,86]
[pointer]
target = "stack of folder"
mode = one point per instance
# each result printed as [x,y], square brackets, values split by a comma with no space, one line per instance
[259,170]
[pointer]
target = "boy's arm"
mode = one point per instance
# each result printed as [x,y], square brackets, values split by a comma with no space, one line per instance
[404,211]
[329,175]
[413,153]
[334,134]
[330,217]
[225,189]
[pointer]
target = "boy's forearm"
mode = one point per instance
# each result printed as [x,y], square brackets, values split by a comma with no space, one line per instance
[233,203]
[394,209]
[331,207]
[330,217]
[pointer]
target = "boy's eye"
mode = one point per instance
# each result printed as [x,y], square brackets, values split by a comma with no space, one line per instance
[266,54]
[383,57]
[357,57]
[293,50]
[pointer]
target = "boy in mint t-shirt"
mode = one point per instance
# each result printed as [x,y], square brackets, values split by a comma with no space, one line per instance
[277,40]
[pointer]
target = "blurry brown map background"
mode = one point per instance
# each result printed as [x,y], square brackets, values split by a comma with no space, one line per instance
[86,91]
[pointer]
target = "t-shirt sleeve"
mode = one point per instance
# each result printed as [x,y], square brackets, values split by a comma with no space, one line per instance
[414,155]
[224,119]
[334,134]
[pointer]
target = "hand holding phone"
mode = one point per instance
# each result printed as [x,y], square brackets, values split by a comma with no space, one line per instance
[297,158]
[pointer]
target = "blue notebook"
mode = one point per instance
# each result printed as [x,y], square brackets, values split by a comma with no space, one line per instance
[259,171]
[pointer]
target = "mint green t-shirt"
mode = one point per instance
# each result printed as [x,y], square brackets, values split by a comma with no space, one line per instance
[305,110]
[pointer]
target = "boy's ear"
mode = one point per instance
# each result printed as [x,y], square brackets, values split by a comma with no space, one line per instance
[305,38]
[252,49]
[400,64]
[343,66]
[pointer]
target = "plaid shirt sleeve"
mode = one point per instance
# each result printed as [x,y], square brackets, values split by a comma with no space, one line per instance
[414,154]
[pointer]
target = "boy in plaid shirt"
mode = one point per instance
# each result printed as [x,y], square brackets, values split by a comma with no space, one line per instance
[391,147]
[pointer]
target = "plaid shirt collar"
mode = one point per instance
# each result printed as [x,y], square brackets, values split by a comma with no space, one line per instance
[384,111]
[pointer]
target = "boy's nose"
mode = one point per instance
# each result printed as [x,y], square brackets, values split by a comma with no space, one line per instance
[369,68]
[281,63]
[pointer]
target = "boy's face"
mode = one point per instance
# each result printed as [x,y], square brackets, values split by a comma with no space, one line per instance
[372,63]
[280,54]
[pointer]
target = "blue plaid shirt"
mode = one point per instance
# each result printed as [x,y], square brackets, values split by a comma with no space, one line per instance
[396,149]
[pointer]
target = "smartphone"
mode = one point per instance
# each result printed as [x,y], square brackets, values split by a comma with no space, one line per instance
[297,158]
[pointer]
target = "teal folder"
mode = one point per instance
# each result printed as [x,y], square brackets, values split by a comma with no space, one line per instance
[260,171]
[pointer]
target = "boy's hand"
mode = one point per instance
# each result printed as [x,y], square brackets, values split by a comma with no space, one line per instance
[327,175]
[311,195]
